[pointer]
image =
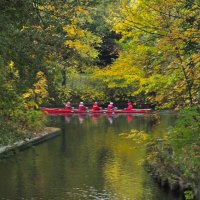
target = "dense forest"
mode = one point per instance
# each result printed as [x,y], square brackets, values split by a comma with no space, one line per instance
[83,50]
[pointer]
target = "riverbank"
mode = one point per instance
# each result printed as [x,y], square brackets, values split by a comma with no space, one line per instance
[174,161]
[35,138]
[168,173]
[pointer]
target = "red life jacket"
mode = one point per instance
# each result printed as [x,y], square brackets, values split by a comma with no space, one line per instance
[130,107]
[96,107]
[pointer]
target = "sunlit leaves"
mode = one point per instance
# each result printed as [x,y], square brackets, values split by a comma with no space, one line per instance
[36,95]
[122,75]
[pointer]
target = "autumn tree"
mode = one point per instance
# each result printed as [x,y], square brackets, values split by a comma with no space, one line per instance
[74,30]
[159,51]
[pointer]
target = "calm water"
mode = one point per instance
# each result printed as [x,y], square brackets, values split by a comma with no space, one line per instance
[88,160]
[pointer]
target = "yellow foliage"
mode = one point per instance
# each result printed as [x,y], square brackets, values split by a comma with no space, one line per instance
[82,41]
[73,31]
[159,51]
[36,95]
[11,65]
[121,74]
[81,10]
[12,69]
[28,94]
[47,6]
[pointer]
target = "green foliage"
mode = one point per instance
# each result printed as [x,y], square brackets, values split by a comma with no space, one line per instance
[15,120]
[185,140]
[188,124]
[179,153]
[84,88]
[9,132]
[20,124]
[35,120]
[189,195]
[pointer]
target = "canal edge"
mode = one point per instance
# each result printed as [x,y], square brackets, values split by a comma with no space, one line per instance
[46,134]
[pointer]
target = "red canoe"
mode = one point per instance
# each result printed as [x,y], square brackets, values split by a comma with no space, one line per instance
[65,111]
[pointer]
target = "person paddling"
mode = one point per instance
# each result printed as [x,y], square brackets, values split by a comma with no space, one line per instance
[81,107]
[111,107]
[130,106]
[68,106]
[95,106]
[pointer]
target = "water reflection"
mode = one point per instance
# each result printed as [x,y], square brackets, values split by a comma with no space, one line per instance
[95,117]
[89,160]
[68,117]
[129,118]
[110,118]
[81,117]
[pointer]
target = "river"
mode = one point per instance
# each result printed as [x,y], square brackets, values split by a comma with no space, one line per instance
[89,159]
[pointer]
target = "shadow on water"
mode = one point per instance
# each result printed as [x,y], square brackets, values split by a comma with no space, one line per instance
[89,160]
